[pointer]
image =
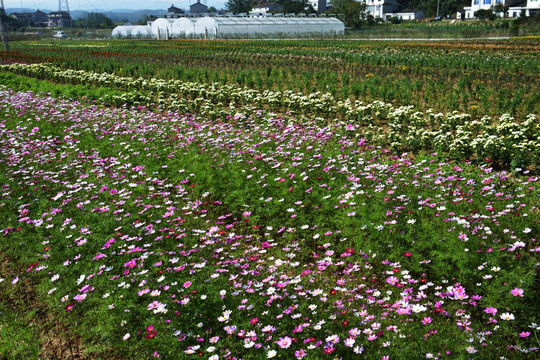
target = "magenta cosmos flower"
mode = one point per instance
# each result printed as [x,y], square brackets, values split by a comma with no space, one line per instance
[517,292]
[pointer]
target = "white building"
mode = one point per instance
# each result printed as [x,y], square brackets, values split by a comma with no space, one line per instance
[380,9]
[407,15]
[318,5]
[264,8]
[515,8]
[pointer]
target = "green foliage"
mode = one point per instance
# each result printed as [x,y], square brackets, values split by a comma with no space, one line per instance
[17,337]
[94,20]
[352,11]
[485,14]
[240,6]
[10,23]
[295,6]
[446,8]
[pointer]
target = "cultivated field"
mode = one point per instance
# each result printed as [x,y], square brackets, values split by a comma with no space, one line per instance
[279,199]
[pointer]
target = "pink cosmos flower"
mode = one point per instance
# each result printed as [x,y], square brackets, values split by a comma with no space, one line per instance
[300,353]
[524,334]
[80,297]
[517,292]
[284,342]
[490,310]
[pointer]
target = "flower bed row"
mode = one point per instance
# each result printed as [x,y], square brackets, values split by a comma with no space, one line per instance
[463,136]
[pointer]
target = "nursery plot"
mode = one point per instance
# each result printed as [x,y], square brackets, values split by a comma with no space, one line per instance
[479,77]
[175,235]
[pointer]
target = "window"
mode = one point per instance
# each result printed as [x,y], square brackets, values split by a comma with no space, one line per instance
[476,2]
[487,2]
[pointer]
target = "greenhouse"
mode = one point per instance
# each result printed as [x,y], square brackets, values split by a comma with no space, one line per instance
[141,31]
[162,28]
[218,27]
[183,27]
[123,31]
[227,27]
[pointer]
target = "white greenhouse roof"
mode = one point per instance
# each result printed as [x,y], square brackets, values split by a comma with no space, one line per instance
[213,27]
[275,21]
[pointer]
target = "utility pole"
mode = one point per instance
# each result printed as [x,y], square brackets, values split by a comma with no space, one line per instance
[438,8]
[63,6]
[3,29]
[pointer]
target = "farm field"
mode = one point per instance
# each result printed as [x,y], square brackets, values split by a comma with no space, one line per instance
[482,77]
[280,199]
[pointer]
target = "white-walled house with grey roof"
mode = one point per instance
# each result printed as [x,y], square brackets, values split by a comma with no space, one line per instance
[514,8]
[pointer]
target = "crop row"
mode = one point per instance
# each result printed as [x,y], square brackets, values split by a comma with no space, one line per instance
[494,78]
[465,136]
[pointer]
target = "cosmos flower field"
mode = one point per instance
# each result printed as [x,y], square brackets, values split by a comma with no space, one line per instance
[160,233]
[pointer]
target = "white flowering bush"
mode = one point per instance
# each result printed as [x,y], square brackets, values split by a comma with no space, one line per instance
[502,140]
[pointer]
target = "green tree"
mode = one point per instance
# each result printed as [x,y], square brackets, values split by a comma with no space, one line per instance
[11,23]
[94,20]
[353,11]
[295,6]
[240,6]
[212,9]
[486,14]
[142,21]
[429,7]
[500,8]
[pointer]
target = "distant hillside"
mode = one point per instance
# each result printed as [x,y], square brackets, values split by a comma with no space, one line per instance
[115,15]
[446,7]
[129,15]
[24,10]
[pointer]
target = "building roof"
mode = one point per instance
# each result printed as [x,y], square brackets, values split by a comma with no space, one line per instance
[174,9]
[60,13]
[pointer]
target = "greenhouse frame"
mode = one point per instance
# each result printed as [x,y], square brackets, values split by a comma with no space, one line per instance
[219,27]
[162,28]
[234,26]
[122,31]
[183,27]
[141,31]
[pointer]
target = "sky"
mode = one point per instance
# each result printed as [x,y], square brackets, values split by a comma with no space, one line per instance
[106,5]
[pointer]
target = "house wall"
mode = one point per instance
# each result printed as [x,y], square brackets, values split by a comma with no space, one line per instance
[532,7]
